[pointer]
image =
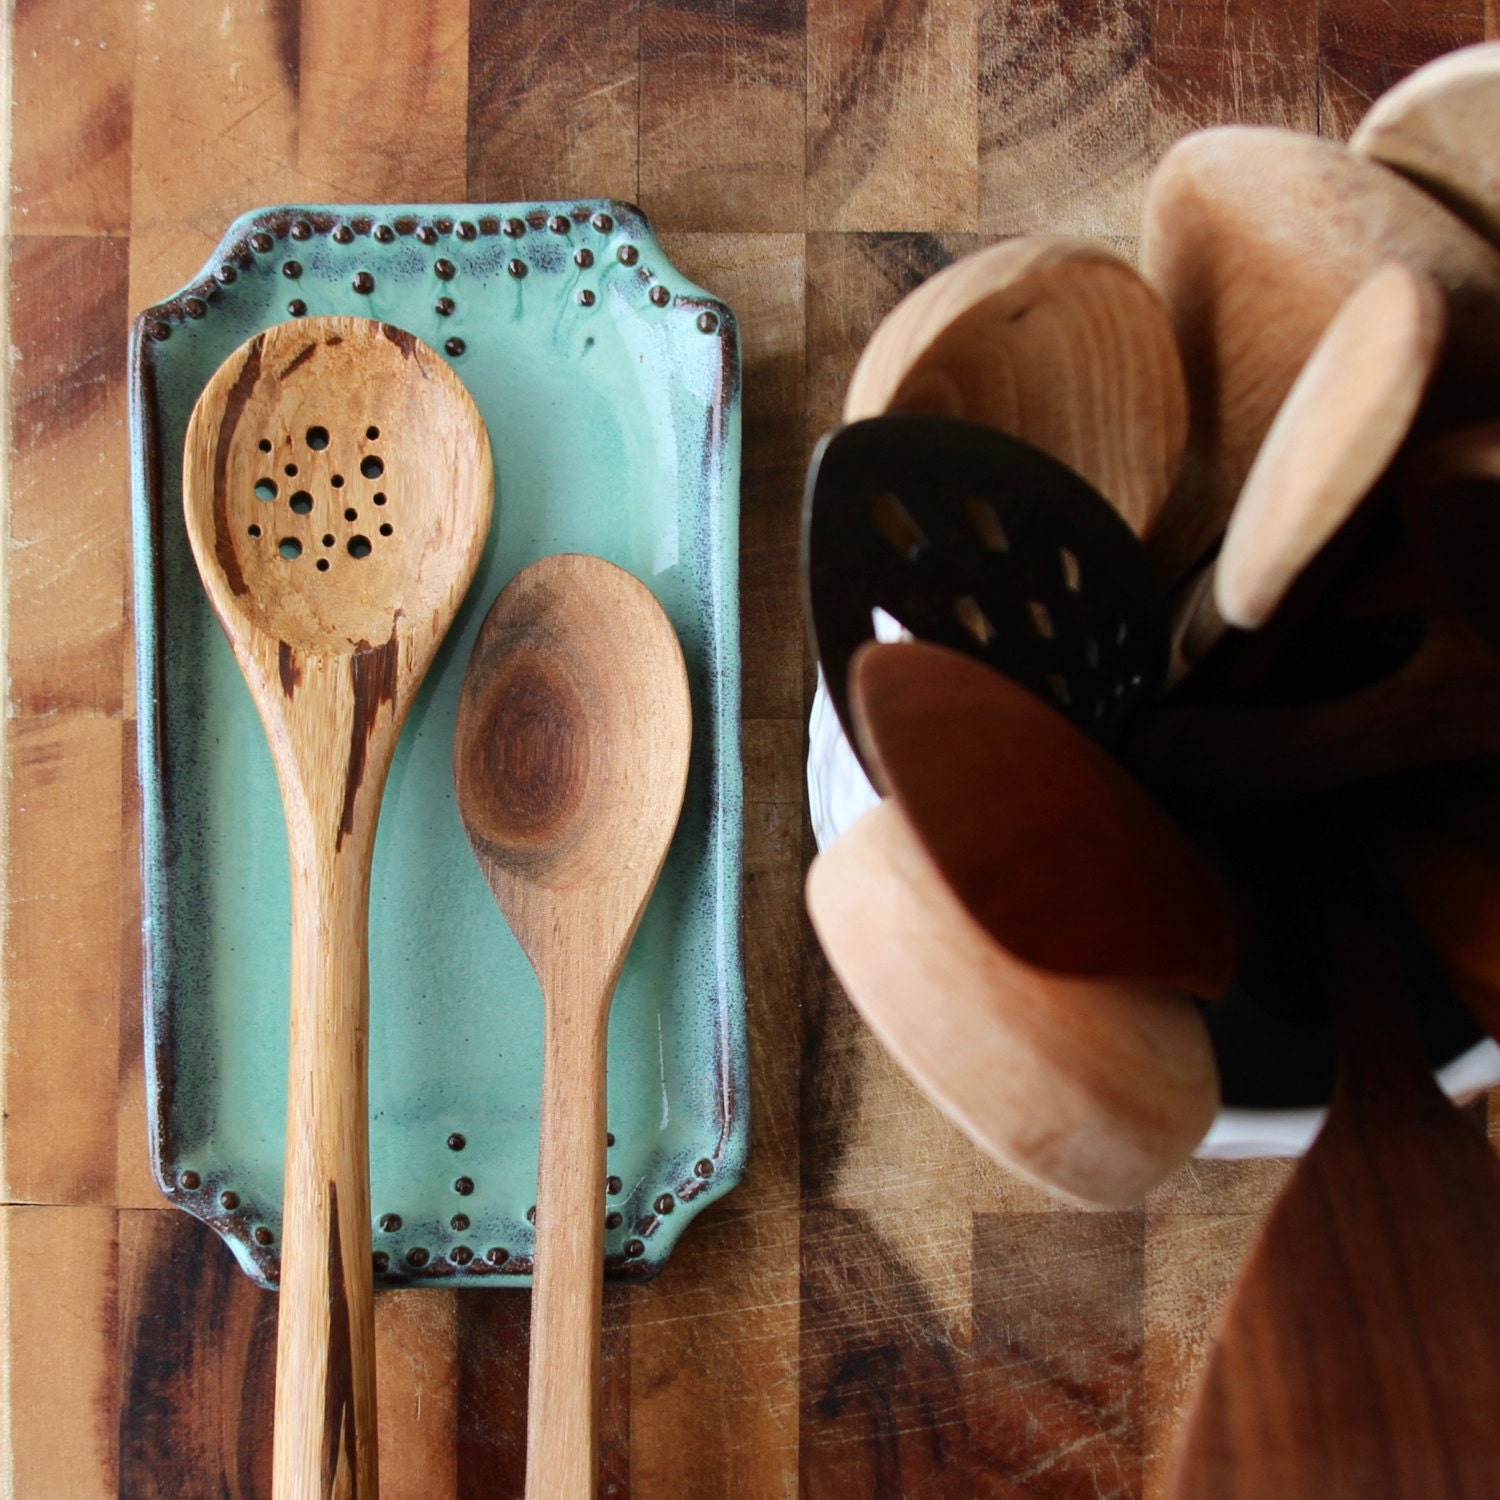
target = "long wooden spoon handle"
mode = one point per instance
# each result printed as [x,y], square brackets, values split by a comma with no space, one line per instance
[562,1417]
[325,1355]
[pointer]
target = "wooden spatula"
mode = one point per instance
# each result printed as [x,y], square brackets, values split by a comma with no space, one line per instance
[1051,847]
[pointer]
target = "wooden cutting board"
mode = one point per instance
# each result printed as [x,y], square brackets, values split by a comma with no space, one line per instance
[876,1312]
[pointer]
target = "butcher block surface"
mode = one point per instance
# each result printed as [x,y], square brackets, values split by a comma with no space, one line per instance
[877,1311]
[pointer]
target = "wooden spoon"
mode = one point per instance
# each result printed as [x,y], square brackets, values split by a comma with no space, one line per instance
[1054,341]
[570,762]
[1051,847]
[1438,127]
[1095,1091]
[334,622]
[1347,413]
[1357,1353]
[1255,238]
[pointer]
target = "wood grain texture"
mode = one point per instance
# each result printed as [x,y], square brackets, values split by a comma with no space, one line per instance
[893,115]
[722,113]
[69,502]
[554,100]
[70,171]
[1066,122]
[840,1326]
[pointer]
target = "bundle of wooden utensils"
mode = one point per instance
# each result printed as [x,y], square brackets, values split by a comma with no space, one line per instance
[1163,608]
[571,761]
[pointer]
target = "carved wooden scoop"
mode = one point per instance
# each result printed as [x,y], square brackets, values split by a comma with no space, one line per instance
[337,486]
[570,760]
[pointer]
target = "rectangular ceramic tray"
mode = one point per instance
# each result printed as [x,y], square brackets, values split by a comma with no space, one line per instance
[610,387]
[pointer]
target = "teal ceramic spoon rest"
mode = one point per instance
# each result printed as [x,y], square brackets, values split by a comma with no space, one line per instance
[610,389]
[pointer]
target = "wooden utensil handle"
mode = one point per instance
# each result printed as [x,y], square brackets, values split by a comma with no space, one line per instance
[562,1444]
[325,1443]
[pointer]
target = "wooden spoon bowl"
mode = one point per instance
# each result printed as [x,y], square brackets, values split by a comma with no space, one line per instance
[337,487]
[1093,1090]
[1438,127]
[1054,341]
[1255,237]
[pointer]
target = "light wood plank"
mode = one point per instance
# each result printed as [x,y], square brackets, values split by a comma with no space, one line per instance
[1191,1263]
[383,101]
[416,1350]
[63,961]
[215,114]
[59,1351]
[1066,129]
[72,102]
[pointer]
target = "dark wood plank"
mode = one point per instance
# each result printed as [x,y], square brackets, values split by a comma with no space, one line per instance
[554,100]
[722,114]
[892,115]
[493,1332]
[69,497]
[197,1365]
[1241,62]
[1363,49]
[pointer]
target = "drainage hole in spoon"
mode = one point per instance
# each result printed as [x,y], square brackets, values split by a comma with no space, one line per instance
[987,523]
[359,546]
[896,522]
[265,489]
[974,619]
[301,502]
[290,547]
[317,438]
[1041,619]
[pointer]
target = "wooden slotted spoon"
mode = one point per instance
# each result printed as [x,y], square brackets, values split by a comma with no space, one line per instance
[337,487]
[570,762]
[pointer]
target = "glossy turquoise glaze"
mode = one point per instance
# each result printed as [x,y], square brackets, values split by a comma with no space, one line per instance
[610,387]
